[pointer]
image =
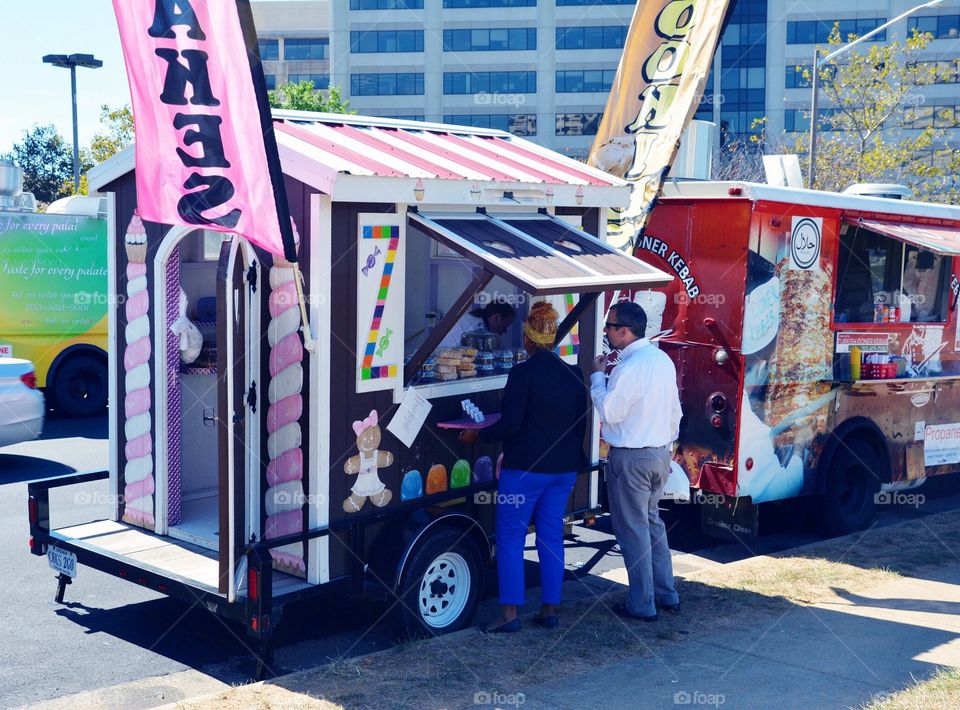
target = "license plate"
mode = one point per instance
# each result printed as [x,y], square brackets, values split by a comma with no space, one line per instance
[63,561]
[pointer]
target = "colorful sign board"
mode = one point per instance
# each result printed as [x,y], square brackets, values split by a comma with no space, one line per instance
[380,284]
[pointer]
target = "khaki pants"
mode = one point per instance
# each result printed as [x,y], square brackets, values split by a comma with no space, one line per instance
[635,482]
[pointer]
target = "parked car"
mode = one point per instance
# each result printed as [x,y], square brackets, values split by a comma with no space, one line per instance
[21,404]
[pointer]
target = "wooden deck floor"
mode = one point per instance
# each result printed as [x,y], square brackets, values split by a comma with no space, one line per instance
[190,563]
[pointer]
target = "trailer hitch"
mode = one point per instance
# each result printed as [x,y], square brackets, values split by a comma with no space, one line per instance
[62,581]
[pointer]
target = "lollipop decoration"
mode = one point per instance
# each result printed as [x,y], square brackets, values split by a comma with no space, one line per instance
[284,498]
[138,471]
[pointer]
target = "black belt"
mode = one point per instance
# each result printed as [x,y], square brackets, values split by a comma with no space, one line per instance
[640,448]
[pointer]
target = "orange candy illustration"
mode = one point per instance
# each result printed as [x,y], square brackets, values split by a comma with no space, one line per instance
[436,479]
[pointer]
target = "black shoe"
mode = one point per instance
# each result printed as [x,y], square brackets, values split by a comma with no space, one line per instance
[621,610]
[504,628]
[550,622]
[670,608]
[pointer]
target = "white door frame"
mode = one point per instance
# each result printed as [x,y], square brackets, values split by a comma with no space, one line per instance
[252,336]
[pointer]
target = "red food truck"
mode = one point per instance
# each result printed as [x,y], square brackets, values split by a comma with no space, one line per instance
[816,344]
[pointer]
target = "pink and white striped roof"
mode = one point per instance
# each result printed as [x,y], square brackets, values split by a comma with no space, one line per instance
[386,148]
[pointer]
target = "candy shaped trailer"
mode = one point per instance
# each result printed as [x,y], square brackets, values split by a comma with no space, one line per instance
[816,343]
[252,463]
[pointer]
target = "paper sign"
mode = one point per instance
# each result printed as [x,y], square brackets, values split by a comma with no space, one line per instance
[6,350]
[805,236]
[867,342]
[410,416]
[918,431]
[941,444]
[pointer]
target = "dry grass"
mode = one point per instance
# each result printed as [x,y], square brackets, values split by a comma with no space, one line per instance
[942,690]
[446,672]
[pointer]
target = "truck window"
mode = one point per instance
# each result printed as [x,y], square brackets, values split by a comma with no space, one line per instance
[875,271]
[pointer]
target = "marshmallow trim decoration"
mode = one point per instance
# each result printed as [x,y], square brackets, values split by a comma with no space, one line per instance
[138,471]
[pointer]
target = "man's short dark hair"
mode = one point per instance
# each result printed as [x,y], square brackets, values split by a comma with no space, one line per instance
[631,315]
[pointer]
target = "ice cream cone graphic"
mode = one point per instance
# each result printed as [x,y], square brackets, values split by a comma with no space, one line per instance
[138,471]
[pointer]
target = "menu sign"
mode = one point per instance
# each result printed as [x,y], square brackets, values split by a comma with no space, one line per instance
[867,342]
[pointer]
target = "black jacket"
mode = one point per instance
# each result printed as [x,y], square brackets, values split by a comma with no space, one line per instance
[544,416]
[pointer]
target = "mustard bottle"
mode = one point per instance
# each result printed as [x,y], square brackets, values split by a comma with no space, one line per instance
[855,362]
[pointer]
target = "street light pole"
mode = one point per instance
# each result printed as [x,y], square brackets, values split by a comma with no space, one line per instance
[71,62]
[815,79]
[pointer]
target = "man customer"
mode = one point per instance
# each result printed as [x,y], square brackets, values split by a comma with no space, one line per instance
[542,427]
[640,411]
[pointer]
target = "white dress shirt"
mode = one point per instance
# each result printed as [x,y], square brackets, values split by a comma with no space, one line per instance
[640,405]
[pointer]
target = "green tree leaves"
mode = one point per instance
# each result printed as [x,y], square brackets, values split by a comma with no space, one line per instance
[303,97]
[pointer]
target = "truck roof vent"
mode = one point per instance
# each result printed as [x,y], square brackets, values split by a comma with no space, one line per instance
[875,189]
[11,179]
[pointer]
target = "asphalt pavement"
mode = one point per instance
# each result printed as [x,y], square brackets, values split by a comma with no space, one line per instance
[110,632]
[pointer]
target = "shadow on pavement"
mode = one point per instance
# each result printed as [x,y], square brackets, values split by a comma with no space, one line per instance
[15,468]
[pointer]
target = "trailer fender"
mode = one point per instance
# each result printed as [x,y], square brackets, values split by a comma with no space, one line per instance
[855,428]
[419,529]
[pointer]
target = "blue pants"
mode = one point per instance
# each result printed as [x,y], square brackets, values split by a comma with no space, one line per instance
[521,496]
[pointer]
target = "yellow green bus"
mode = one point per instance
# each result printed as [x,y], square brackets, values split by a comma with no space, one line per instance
[53,285]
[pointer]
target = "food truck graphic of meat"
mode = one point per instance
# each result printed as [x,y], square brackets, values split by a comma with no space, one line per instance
[815,338]
[253,461]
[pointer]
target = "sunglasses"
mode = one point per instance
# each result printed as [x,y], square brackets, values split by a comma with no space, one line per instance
[608,324]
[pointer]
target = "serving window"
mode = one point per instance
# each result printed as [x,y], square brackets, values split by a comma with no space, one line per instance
[885,280]
[472,277]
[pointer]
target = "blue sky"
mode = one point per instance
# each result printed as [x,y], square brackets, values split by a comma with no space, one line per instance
[36,93]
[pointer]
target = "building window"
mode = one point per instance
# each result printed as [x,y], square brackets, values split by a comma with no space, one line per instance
[320,81]
[317,48]
[797,120]
[269,49]
[399,84]
[519,124]
[372,41]
[578,81]
[607,37]
[944,72]
[406,117]
[578,124]
[271,80]
[386,4]
[493,82]
[937,116]
[794,78]
[940,26]
[581,3]
[818,31]
[489,40]
[488,3]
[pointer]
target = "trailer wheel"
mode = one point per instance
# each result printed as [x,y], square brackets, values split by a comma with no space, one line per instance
[440,586]
[853,480]
[80,389]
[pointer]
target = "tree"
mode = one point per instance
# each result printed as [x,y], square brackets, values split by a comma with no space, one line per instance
[46,160]
[869,131]
[118,133]
[302,97]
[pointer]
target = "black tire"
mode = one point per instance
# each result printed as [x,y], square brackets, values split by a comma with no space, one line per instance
[80,388]
[445,555]
[853,481]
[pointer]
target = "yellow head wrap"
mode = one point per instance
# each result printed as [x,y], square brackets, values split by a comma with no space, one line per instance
[541,324]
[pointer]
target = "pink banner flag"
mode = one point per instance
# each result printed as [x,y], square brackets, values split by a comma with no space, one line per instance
[202,157]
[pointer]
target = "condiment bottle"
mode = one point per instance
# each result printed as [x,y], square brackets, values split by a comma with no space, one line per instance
[854,362]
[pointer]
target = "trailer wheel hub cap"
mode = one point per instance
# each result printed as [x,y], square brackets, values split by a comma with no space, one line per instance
[444,590]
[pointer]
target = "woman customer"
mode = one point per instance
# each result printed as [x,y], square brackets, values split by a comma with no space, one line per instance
[542,428]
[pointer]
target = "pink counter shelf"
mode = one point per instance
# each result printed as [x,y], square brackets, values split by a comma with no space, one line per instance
[469,423]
